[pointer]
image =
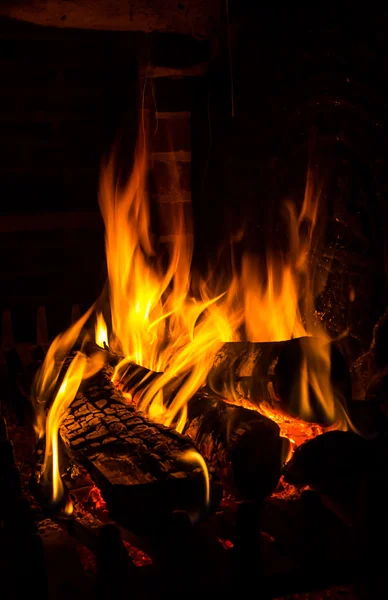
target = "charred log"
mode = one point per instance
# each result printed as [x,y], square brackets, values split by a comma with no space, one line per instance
[271,371]
[267,372]
[244,447]
[340,467]
[136,463]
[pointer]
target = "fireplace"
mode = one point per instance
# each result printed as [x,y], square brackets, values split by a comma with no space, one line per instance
[201,401]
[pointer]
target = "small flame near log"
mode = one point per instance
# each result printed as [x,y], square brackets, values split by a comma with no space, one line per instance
[157,321]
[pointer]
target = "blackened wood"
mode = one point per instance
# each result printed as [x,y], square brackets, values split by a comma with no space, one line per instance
[338,465]
[267,372]
[133,378]
[270,372]
[136,463]
[243,446]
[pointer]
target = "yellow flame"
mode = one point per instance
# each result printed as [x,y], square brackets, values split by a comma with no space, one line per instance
[47,376]
[69,506]
[56,414]
[80,368]
[156,323]
[101,331]
[193,457]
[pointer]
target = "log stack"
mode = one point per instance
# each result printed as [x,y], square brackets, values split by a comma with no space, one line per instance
[139,464]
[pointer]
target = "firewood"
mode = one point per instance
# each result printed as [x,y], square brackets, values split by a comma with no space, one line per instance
[136,463]
[339,466]
[244,447]
[247,370]
[254,368]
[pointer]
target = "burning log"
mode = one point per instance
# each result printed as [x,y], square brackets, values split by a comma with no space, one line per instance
[244,447]
[260,372]
[136,463]
[271,372]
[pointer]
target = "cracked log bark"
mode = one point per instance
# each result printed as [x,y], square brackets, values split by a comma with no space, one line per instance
[136,463]
[118,445]
[242,446]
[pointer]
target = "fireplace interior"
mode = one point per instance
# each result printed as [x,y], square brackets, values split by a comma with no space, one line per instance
[199,404]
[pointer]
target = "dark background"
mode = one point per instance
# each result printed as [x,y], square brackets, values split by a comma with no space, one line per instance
[302,79]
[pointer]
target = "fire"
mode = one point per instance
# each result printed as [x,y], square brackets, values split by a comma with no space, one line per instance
[168,319]
[57,413]
[193,457]
[47,377]
[101,331]
[156,322]
[46,391]
[69,507]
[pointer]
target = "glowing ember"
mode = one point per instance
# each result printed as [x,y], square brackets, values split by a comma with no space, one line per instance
[139,558]
[95,499]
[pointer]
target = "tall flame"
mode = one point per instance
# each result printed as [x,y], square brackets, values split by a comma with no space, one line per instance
[155,321]
[159,324]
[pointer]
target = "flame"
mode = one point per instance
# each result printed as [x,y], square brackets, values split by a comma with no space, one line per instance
[193,457]
[80,368]
[47,390]
[159,323]
[101,331]
[156,323]
[57,413]
[47,376]
[69,507]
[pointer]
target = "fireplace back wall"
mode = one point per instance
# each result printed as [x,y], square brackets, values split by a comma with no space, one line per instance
[303,79]
[62,98]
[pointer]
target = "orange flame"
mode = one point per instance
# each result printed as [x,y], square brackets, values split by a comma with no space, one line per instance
[101,331]
[158,324]
[155,321]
